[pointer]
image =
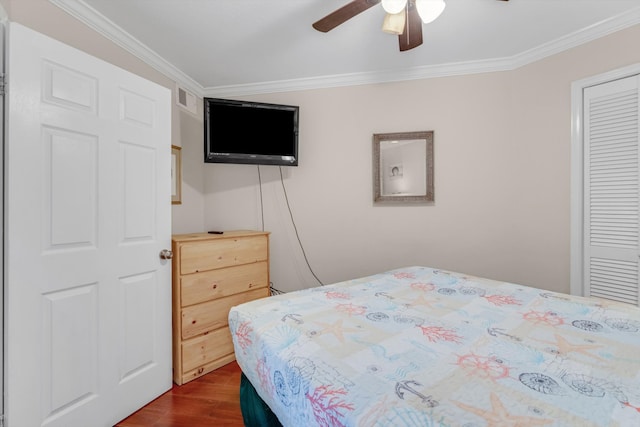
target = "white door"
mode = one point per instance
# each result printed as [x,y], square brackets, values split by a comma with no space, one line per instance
[612,190]
[88,301]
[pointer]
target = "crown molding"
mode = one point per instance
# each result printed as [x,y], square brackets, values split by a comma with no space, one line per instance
[98,22]
[355,79]
[83,12]
[577,38]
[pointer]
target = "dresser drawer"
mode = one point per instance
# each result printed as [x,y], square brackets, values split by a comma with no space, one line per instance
[206,368]
[206,348]
[209,255]
[208,285]
[211,315]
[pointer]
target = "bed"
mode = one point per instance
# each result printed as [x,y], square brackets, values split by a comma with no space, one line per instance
[424,347]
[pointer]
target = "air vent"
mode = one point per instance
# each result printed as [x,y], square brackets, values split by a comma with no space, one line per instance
[186,100]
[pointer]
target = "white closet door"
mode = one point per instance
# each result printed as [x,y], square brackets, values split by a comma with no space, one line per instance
[88,212]
[612,190]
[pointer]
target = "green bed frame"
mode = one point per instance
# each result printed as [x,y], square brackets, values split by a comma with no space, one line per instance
[255,413]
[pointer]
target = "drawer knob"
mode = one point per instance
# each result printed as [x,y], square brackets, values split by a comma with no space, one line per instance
[166,254]
[215,286]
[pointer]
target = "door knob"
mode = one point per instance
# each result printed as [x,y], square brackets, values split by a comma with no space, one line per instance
[166,254]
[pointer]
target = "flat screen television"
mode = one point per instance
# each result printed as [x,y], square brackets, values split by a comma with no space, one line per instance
[250,132]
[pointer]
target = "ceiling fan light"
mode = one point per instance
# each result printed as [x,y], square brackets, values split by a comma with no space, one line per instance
[429,10]
[394,6]
[394,23]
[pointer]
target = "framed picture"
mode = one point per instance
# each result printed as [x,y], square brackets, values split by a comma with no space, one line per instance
[176,175]
[403,167]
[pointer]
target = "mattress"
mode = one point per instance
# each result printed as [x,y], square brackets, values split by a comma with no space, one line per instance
[424,347]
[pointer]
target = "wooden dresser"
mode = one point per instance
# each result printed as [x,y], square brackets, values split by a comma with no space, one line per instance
[211,274]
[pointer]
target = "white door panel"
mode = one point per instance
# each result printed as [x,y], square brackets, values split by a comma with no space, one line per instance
[612,190]
[88,212]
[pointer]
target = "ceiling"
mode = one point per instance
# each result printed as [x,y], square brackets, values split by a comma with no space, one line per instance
[232,47]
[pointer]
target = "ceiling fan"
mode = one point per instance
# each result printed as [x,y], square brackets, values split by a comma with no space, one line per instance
[403,17]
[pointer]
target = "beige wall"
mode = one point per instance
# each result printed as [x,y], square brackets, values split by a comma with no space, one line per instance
[48,19]
[502,169]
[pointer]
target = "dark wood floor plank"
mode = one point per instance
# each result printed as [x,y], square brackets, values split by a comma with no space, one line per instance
[211,400]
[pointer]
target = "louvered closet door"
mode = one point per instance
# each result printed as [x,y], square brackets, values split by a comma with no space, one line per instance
[612,191]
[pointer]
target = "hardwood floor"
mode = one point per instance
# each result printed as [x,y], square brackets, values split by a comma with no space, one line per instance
[211,400]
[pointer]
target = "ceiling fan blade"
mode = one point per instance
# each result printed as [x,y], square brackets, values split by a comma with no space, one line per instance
[343,14]
[412,35]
